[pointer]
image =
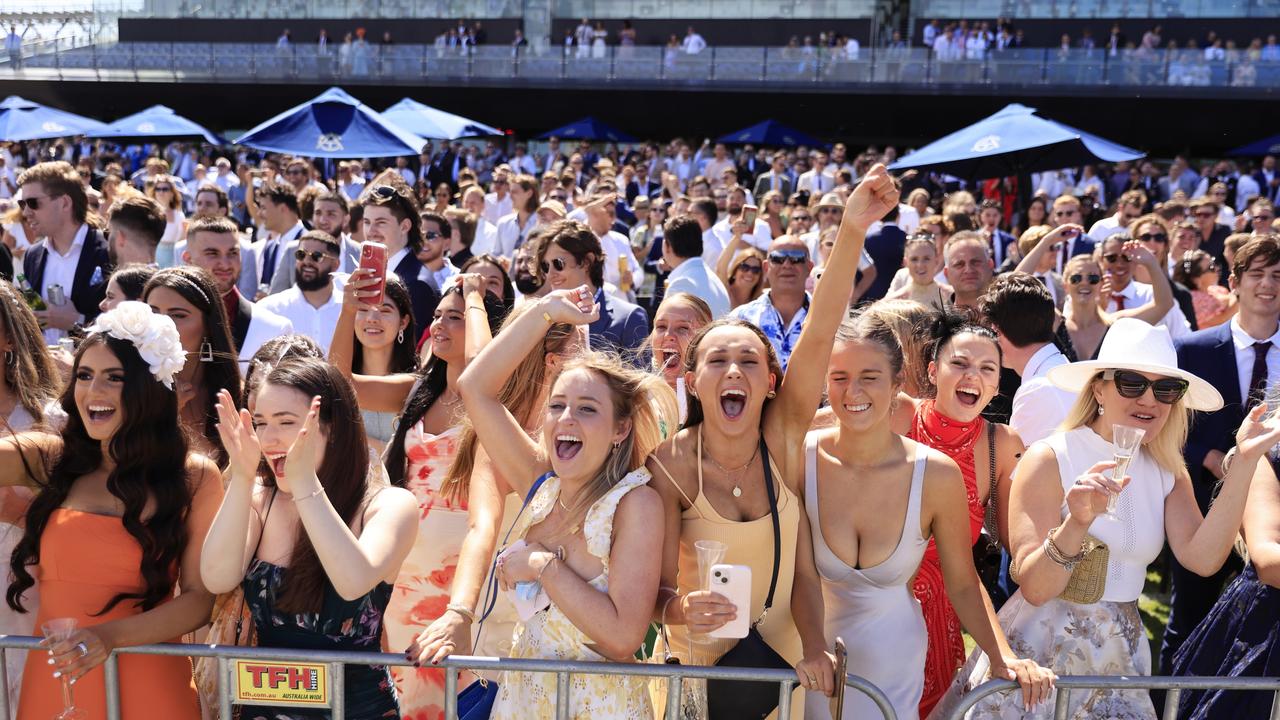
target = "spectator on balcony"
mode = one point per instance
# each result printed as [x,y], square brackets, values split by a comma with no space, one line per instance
[931,32]
[322,42]
[13,45]
[1271,51]
[599,38]
[284,41]
[693,42]
[1116,41]
[1086,40]
[518,42]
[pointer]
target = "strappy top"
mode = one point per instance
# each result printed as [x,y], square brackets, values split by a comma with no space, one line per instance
[749,542]
[895,570]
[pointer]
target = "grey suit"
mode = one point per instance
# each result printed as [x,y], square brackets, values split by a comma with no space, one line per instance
[764,184]
[283,278]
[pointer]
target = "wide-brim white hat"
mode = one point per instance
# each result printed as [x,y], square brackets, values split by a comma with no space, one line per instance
[1132,344]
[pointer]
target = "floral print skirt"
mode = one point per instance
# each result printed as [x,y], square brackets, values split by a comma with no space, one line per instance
[1103,638]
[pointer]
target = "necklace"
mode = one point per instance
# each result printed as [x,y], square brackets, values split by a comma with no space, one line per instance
[577,526]
[450,403]
[737,488]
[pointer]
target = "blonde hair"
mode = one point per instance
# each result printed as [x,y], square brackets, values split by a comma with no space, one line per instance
[906,317]
[1031,237]
[175,202]
[643,398]
[518,394]
[1165,448]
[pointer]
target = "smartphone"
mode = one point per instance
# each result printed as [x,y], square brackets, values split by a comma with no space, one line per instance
[733,582]
[749,213]
[373,255]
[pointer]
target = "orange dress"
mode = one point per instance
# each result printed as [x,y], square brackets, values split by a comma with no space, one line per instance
[85,560]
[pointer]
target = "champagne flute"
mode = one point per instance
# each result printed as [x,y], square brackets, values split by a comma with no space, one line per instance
[57,630]
[1127,440]
[710,552]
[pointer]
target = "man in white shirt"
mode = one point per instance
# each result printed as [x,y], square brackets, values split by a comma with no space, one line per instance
[225,179]
[278,214]
[350,181]
[522,162]
[1129,209]
[621,269]
[314,302]
[760,237]
[436,268]
[693,42]
[497,204]
[715,167]
[213,244]
[1127,293]
[486,236]
[816,180]
[682,252]
[1020,310]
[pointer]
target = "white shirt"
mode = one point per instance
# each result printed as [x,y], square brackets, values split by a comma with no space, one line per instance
[694,44]
[438,279]
[352,188]
[511,234]
[1243,343]
[1039,406]
[486,239]
[61,270]
[761,236]
[1137,294]
[316,323]
[712,246]
[524,164]
[694,277]
[1105,228]
[815,182]
[495,209]
[617,250]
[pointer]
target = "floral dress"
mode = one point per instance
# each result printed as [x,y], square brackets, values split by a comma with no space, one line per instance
[422,588]
[551,636]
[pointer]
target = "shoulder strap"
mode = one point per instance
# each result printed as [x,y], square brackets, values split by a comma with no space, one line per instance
[491,591]
[989,524]
[266,514]
[777,529]
[672,479]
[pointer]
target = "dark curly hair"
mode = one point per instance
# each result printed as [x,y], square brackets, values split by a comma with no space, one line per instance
[149,452]
[940,328]
[693,405]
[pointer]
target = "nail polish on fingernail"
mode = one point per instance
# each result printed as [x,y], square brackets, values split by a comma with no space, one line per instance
[57,674]
[51,659]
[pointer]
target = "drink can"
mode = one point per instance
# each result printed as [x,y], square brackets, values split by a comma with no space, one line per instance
[56,295]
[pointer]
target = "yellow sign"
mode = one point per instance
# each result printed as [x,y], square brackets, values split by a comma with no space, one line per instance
[281,683]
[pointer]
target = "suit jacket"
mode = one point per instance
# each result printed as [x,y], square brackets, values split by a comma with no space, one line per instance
[441,169]
[90,285]
[885,246]
[1211,355]
[635,190]
[765,182]
[6,263]
[283,262]
[421,294]
[1264,187]
[283,279]
[1182,296]
[621,327]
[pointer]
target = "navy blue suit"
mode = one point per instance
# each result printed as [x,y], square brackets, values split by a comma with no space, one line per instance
[421,294]
[1210,355]
[885,246]
[622,327]
[90,285]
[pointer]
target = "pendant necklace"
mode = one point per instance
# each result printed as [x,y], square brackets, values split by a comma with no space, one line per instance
[729,474]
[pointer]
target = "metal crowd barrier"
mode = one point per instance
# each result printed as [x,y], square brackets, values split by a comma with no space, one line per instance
[1173,685]
[334,661]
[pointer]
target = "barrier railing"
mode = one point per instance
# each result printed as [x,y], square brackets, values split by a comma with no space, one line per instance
[1173,685]
[231,658]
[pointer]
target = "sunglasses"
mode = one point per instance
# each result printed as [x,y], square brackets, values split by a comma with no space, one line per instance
[1262,218]
[1116,257]
[801,218]
[431,235]
[164,188]
[1132,385]
[1093,278]
[1154,237]
[315,255]
[295,171]
[558,263]
[384,192]
[32,202]
[1206,214]
[795,257]
[751,269]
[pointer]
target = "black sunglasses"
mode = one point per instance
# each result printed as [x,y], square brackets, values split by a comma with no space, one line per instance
[430,235]
[315,255]
[384,192]
[164,188]
[1154,237]
[559,264]
[1075,278]
[753,269]
[33,203]
[1132,385]
[1115,257]
[795,257]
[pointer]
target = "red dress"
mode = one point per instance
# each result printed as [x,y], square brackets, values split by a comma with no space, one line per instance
[956,440]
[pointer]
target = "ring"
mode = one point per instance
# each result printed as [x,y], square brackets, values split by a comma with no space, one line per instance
[84,649]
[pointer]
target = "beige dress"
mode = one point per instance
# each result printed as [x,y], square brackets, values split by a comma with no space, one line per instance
[749,543]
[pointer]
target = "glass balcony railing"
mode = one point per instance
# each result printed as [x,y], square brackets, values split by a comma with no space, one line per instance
[1048,9]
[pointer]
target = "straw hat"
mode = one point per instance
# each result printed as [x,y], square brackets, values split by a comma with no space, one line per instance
[831,200]
[555,207]
[1132,344]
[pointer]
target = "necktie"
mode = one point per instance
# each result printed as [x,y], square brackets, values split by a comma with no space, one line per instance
[269,262]
[1066,255]
[1118,300]
[1258,378]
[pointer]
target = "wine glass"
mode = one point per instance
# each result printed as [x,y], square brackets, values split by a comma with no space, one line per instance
[710,552]
[1127,440]
[57,630]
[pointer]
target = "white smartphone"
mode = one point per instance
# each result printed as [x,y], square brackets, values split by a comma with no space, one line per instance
[733,582]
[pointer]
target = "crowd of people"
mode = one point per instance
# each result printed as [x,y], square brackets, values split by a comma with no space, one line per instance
[894,406]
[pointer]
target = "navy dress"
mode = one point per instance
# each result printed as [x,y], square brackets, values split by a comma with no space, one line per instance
[1237,639]
[354,625]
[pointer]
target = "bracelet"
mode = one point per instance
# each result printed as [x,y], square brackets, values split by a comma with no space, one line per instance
[477,307]
[319,491]
[674,596]
[544,567]
[1225,466]
[1055,554]
[462,610]
[547,316]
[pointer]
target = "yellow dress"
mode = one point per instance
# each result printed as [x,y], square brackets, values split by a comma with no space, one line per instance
[550,636]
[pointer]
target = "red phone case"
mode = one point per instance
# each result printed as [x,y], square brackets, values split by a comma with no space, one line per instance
[373,255]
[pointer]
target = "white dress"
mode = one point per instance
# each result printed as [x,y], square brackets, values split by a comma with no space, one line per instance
[1102,638]
[873,608]
[597,43]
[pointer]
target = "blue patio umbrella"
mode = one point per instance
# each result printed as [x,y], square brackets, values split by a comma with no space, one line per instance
[431,122]
[333,125]
[22,119]
[156,121]
[588,128]
[1014,141]
[770,133]
[1266,146]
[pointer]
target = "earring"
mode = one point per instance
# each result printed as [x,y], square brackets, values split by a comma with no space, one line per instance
[617,444]
[771,395]
[206,352]
[400,336]
[10,359]
[1099,411]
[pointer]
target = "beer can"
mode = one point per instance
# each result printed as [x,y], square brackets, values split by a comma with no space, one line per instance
[56,295]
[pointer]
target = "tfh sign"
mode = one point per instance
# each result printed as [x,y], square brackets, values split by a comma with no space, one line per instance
[282,683]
